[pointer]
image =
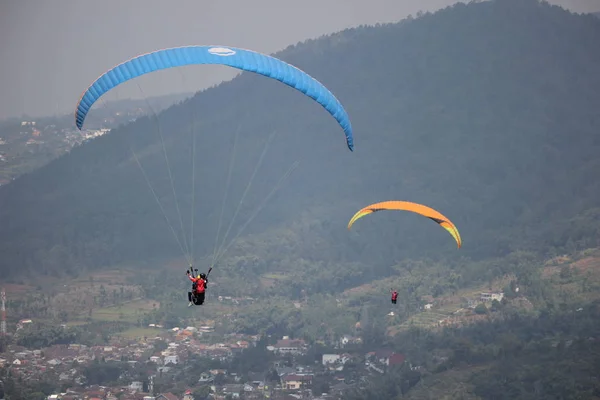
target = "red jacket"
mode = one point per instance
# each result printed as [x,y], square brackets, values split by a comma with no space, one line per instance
[394,295]
[200,287]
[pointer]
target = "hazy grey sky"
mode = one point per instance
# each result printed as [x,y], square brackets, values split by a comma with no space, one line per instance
[50,51]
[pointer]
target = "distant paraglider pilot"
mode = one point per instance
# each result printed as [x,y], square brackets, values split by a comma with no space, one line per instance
[394,296]
[199,284]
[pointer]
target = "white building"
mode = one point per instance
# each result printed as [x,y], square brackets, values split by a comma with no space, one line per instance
[330,358]
[136,386]
[156,360]
[491,296]
[172,359]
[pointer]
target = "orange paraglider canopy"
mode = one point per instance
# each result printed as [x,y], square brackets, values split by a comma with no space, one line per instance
[414,207]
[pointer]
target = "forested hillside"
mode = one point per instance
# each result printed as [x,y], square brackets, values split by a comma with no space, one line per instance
[486,112]
[28,143]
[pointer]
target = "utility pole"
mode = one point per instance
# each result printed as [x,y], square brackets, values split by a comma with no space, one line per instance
[3,323]
[3,333]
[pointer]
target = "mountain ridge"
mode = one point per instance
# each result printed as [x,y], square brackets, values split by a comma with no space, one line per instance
[434,106]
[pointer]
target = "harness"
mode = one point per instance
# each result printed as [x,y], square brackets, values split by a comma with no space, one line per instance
[195,286]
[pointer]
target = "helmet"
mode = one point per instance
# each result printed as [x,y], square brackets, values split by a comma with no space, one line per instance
[203,276]
[198,277]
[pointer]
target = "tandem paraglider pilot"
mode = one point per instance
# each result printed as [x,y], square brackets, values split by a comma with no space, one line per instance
[199,284]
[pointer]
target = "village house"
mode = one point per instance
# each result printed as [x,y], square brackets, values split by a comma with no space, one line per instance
[172,359]
[162,370]
[335,362]
[295,382]
[218,353]
[166,396]
[330,358]
[491,296]
[206,377]
[289,346]
[136,386]
[233,390]
[395,359]
[348,339]
[385,357]
[206,329]
[156,359]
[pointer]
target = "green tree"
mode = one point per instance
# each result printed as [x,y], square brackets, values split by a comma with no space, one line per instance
[481,309]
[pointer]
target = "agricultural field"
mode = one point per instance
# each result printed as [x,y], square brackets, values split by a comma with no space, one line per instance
[88,293]
[270,280]
[136,333]
[127,312]
[17,291]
